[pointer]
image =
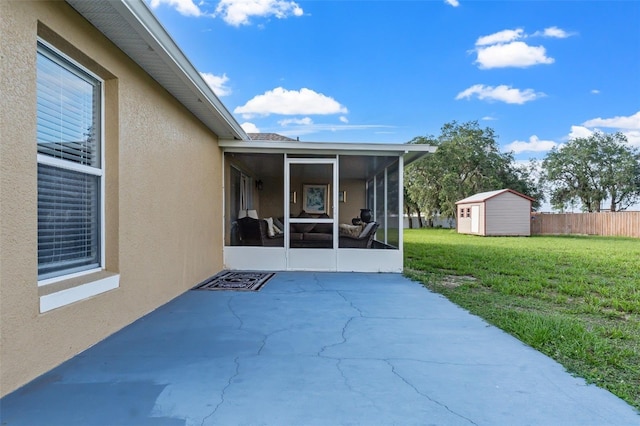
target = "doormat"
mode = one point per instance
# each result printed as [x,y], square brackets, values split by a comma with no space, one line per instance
[240,281]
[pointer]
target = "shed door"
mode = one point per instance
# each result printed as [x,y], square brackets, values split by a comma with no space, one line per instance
[475,219]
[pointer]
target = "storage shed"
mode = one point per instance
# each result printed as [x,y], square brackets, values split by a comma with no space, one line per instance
[504,212]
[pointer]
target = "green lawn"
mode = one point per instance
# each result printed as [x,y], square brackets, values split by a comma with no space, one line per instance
[574,298]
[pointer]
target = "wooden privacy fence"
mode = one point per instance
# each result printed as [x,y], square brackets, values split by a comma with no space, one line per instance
[621,224]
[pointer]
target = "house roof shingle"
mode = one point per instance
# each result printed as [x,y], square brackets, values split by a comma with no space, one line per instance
[269,137]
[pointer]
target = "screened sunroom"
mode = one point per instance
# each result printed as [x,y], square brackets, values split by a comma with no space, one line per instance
[314,206]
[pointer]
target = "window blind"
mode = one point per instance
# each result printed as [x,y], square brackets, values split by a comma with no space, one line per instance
[69,187]
[67,112]
[68,232]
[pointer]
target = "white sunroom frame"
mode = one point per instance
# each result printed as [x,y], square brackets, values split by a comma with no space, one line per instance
[346,259]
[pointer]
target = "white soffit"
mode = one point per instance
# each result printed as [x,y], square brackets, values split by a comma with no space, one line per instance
[131,26]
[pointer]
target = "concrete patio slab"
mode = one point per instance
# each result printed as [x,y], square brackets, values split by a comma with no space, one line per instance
[312,349]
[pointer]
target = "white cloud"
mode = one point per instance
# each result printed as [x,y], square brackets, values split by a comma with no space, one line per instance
[633,137]
[239,12]
[552,32]
[184,7]
[218,83]
[631,122]
[299,121]
[506,49]
[488,118]
[514,54]
[627,125]
[579,132]
[504,36]
[250,127]
[454,3]
[500,93]
[343,119]
[533,145]
[290,102]
[595,91]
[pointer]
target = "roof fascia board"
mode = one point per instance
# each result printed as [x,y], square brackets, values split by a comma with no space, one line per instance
[137,14]
[412,151]
[159,39]
[504,191]
[484,199]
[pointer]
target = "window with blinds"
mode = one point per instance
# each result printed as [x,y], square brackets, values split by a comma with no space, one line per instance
[69,166]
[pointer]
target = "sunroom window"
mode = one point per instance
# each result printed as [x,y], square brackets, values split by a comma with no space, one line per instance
[69,166]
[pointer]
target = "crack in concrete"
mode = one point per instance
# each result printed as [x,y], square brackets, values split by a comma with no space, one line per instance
[411,385]
[344,328]
[348,385]
[338,360]
[233,312]
[224,390]
[266,337]
[350,303]
[318,282]
[344,340]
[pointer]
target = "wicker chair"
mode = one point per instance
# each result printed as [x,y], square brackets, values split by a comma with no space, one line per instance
[364,240]
[253,232]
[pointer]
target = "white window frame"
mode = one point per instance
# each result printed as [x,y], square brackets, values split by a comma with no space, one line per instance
[100,172]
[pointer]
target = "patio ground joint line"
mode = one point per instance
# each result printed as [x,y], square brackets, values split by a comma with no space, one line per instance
[348,385]
[266,337]
[224,390]
[411,385]
[350,303]
[344,340]
[233,312]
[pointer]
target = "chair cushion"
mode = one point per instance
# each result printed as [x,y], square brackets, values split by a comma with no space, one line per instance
[279,223]
[352,231]
[272,229]
[326,228]
[304,227]
[367,229]
[315,236]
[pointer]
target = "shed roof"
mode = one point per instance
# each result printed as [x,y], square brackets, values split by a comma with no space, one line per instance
[484,196]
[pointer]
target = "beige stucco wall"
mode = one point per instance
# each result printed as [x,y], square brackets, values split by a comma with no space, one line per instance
[356,199]
[163,195]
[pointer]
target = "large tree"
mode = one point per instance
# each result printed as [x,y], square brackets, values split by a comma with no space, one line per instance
[593,170]
[467,161]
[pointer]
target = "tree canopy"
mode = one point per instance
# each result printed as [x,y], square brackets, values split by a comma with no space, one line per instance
[467,161]
[592,170]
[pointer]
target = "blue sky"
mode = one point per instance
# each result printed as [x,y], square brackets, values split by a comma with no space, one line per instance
[537,72]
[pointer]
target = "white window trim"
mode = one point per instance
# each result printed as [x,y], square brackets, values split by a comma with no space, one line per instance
[68,276]
[68,165]
[43,159]
[75,294]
